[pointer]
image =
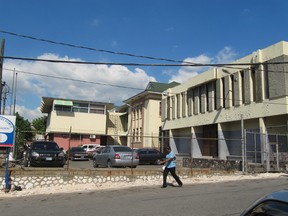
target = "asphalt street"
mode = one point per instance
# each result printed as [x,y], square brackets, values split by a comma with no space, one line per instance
[220,199]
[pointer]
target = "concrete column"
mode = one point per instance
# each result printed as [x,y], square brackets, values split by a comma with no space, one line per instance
[265,148]
[195,148]
[223,151]
[219,94]
[172,142]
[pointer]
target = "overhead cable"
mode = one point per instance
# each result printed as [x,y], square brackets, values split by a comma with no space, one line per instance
[139,64]
[91,49]
[76,80]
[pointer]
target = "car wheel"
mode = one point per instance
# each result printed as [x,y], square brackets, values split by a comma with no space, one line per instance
[109,164]
[95,163]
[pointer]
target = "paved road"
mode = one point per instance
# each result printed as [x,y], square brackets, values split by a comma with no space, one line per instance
[218,199]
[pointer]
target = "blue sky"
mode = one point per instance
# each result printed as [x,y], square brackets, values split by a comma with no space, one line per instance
[205,31]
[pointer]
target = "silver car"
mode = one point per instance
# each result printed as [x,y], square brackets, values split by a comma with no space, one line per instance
[116,155]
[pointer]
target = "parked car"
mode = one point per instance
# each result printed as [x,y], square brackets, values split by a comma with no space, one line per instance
[90,148]
[275,203]
[77,153]
[116,155]
[149,155]
[98,150]
[44,153]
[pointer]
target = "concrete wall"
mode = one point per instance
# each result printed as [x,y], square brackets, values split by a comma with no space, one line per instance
[82,123]
[152,122]
[50,177]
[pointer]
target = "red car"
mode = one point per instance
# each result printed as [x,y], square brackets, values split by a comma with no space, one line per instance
[77,153]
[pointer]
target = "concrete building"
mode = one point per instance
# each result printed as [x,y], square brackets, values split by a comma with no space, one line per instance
[144,116]
[75,122]
[206,115]
[117,126]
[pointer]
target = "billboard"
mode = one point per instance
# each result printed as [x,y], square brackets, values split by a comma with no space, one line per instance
[7,130]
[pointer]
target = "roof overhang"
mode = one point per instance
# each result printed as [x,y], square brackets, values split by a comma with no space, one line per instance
[141,95]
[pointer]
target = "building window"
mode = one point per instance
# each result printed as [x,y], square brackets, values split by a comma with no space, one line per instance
[233,77]
[140,111]
[266,82]
[75,137]
[242,84]
[137,111]
[253,84]
[97,108]
[160,108]
[196,100]
[178,105]
[80,107]
[62,108]
[183,94]
[190,101]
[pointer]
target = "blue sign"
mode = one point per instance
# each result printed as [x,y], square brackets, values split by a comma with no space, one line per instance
[7,130]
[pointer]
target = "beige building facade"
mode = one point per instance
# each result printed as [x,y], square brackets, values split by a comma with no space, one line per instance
[144,116]
[206,116]
[76,122]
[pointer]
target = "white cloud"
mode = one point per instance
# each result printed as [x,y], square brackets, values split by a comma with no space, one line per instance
[29,114]
[226,55]
[31,88]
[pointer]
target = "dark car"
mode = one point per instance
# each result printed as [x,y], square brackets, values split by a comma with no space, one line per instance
[44,153]
[149,155]
[77,153]
[275,203]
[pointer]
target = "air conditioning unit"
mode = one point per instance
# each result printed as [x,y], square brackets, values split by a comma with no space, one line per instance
[92,136]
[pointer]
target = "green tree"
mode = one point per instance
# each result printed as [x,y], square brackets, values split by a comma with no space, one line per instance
[39,124]
[23,132]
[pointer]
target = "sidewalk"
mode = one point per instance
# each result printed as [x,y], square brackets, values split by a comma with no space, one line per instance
[88,187]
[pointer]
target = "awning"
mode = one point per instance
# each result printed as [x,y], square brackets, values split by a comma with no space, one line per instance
[63,102]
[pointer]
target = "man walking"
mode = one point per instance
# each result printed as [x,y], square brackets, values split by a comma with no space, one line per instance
[170,166]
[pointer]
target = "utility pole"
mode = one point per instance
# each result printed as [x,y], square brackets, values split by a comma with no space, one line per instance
[1,68]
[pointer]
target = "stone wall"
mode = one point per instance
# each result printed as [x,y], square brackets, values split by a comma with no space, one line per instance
[32,178]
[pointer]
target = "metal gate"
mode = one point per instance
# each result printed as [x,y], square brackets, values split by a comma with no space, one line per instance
[269,150]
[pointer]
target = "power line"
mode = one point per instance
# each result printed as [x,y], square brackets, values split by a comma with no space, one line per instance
[182,63]
[76,80]
[126,87]
[89,48]
[139,64]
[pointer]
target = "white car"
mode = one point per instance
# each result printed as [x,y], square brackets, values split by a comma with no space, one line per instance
[90,148]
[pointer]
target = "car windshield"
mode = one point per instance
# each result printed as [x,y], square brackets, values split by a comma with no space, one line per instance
[45,146]
[122,149]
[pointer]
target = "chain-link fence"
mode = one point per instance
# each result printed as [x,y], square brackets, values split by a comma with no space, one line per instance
[269,150]
[212,151]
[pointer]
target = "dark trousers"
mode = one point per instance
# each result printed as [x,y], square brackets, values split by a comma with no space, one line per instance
[173,173]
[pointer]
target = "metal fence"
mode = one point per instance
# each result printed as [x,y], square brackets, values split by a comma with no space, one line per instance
[270,150]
